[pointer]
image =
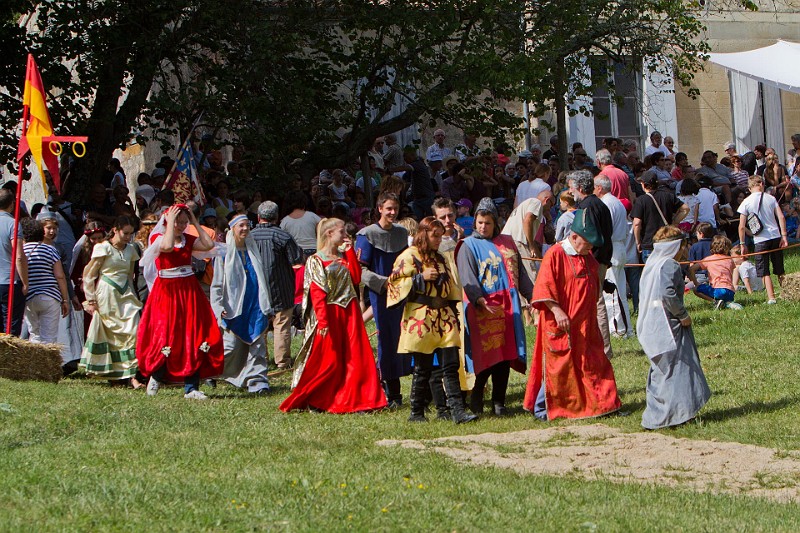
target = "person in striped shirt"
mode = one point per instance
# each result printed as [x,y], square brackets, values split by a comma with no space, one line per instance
[47,297]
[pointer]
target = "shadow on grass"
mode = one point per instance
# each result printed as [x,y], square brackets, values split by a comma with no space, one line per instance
[720,415]
[631,391]
[274,392]
[632,407]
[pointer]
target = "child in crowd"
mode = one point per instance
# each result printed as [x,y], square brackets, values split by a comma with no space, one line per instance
[688,196]
[720,267]
[463,218]
[702,248]
[746,271]
[567,207]
[338,191]
[410,225]
[792,221]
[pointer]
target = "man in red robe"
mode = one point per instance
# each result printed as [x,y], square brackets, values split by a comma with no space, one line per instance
[571,377]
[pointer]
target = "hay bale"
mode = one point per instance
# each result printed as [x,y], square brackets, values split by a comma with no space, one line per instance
[22,360]
[790,287]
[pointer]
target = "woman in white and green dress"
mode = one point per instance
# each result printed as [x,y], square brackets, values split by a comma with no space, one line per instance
[110,350]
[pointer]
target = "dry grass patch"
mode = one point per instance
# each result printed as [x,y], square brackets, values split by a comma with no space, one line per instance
[601,452]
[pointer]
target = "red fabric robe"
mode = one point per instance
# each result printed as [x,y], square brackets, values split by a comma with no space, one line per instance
[178,327]
[339,375]
[579,380]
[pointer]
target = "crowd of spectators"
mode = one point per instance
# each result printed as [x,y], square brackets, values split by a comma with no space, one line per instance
[657,185]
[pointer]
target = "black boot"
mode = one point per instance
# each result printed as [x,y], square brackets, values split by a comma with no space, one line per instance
[500,374]
[500,409]
[452,387]
[476,401]
[394,398]
[420,388]
[461,416]
[438,395]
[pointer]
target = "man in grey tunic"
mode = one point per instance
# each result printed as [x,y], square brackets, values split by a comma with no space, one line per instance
[676,385]
[240,298]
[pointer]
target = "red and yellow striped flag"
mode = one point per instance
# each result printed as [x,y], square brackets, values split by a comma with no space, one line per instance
[39,125]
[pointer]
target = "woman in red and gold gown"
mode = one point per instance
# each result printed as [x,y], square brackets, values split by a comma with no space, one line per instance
[335,370]
[178,338]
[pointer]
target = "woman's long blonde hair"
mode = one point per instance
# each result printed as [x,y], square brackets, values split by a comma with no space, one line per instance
[325,225]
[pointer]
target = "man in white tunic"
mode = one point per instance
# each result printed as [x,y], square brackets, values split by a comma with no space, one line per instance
[619,316]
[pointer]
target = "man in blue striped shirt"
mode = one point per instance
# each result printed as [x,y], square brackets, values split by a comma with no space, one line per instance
[279,254]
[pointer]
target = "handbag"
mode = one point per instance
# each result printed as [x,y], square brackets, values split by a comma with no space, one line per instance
[753,222]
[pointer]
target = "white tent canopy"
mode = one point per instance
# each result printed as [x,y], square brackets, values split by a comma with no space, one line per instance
[773,65]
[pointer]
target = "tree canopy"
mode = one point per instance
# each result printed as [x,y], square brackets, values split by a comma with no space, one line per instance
[316,79]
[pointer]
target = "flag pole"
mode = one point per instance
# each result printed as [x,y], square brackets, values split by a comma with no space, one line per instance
[14,235]
[183,144]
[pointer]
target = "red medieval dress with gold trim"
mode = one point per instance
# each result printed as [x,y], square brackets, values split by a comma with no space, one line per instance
[334,372]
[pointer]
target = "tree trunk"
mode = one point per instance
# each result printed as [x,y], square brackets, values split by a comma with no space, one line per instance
[366,174]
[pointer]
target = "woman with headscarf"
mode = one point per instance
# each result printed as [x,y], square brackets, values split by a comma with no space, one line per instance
[178,339]
[676,385]
[429,293]
[335,369]
[240,299]
[489,268]
[110,349]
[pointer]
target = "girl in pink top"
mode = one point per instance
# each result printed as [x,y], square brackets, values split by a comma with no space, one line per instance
[720,268]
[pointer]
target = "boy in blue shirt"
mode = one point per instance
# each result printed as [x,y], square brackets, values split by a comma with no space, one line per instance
[463,218]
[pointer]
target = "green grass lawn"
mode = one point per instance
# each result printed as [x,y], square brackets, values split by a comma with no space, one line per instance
[81,456]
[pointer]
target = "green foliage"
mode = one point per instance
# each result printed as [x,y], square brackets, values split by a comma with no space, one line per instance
[315,79]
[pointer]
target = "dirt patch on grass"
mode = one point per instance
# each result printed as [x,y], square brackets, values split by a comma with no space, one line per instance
[600,452]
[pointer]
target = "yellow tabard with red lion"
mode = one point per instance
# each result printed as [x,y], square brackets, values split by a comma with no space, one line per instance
[430,318]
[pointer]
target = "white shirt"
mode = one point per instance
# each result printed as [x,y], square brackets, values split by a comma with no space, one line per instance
[530,189]
[377,157]
[619,219]
[434,150]
[748,270]
[691,201]
[707,200]
[766,214]
[360,183]
[118,180]
[650,150]
[514,224]
[564,224]
[631,254]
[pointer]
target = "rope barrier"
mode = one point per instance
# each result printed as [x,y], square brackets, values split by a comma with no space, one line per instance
[690,262]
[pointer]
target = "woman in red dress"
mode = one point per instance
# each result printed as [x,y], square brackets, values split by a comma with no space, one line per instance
[335,370]
[178,339]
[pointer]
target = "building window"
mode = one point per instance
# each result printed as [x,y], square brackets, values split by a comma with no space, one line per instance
[618,117]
